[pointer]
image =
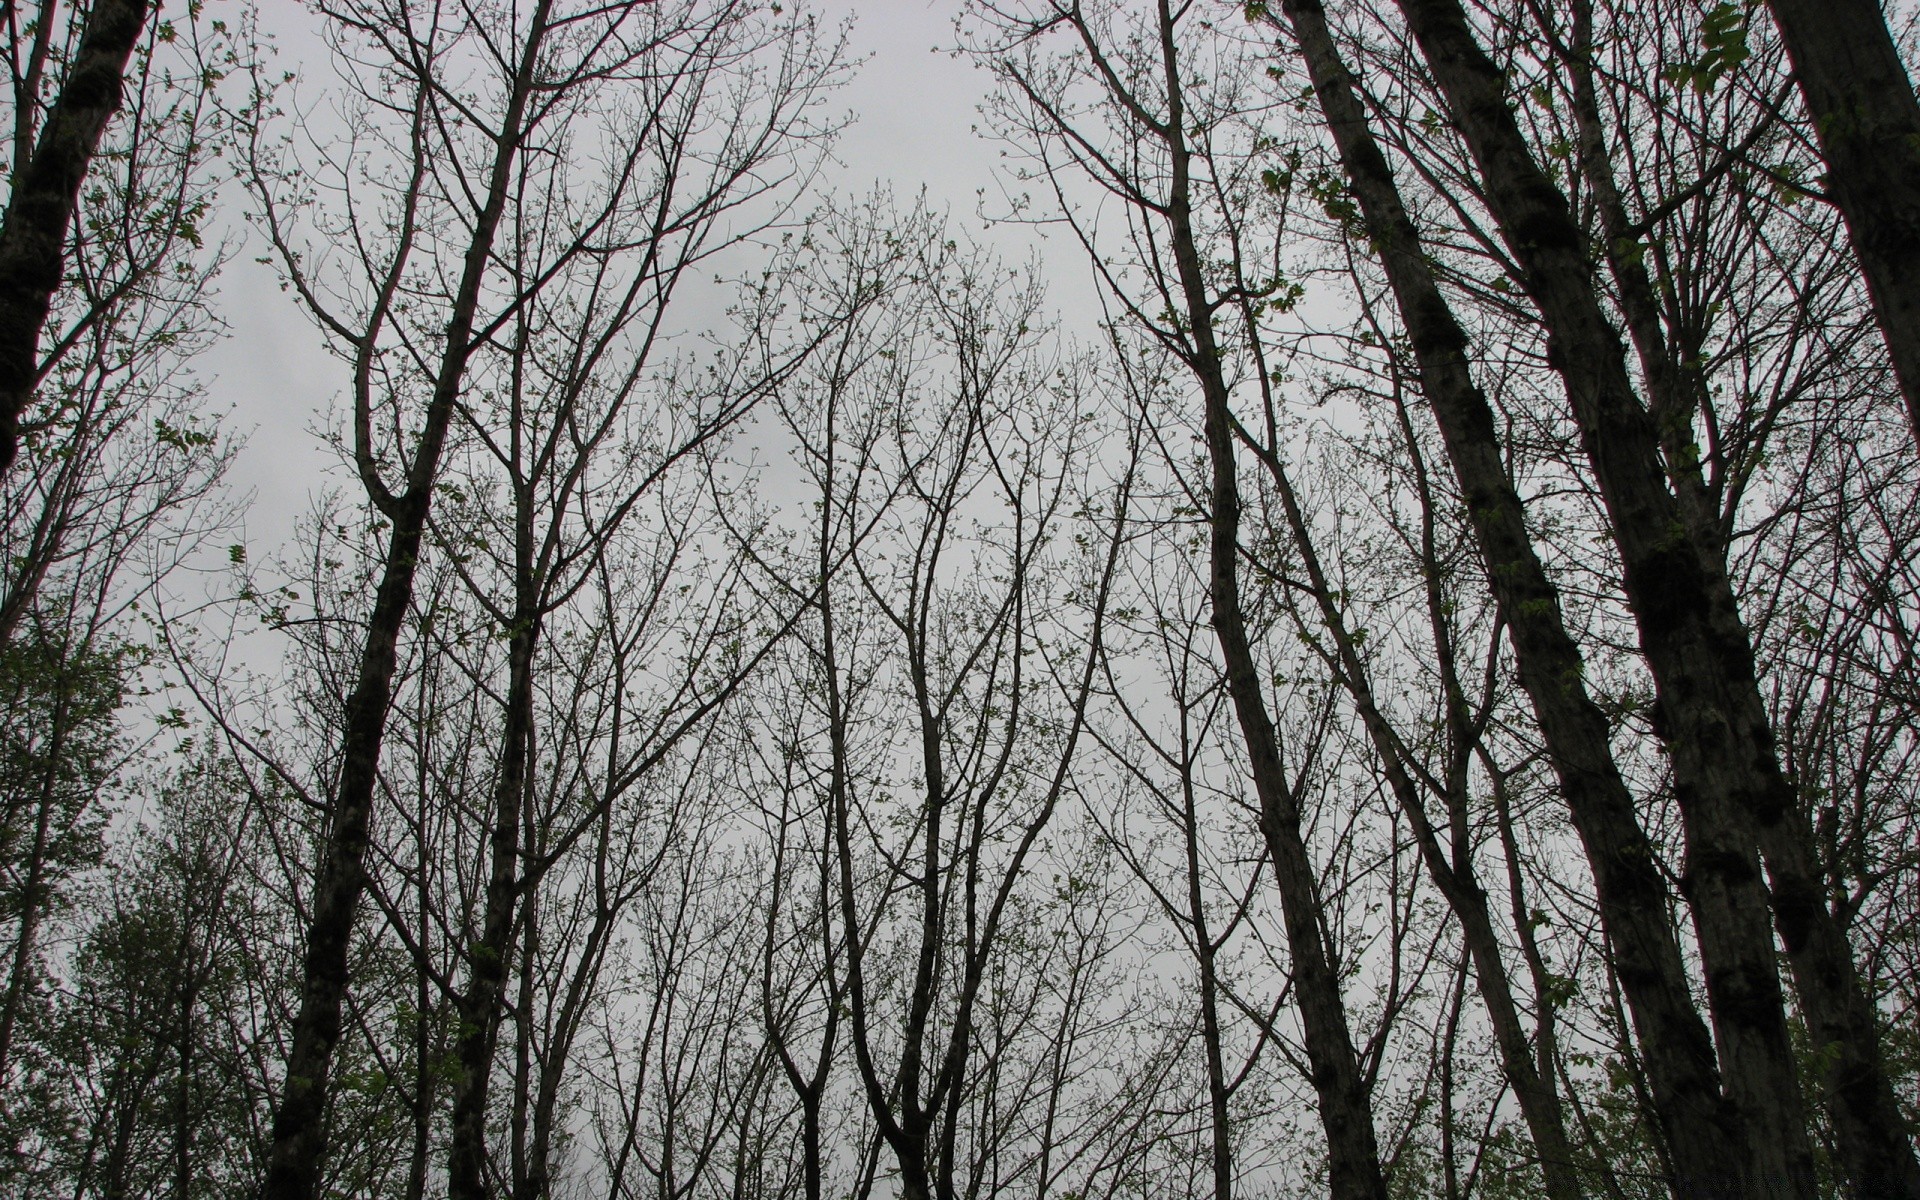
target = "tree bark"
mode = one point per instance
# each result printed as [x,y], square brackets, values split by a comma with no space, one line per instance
[1701,1130]
[1346,1107]
[479,1005]
[1868,124]
[46,194]
[299,1130]
[1726,775]
[1875,1151]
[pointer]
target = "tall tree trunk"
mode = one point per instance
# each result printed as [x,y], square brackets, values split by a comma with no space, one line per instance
[298,1139]
[525,1055]
[810,1143]
[479,1005]
[425,1076]
[1875,1150]
[46,194]
[299,1135]
[1346,1107]
[1345,1104]
[1726,776]
[533,1182]
[1868,124]
[1705,1136]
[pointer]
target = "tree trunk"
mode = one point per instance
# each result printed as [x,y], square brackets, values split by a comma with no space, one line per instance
[1720,760]
[46,194]
[1455,879]
[1875,1150]
[479,1005]
[1701,1131]
[1346,1108]
[1346,1112]
[299,1133]
[1868,124]
[534,1182]
[20,970]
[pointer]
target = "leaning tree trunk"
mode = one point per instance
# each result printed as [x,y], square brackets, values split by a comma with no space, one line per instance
[46,194]
[1346,1107]
[1868,124]
[1726,771]
[1662,565]
[1346,1110]
[299,1130]
[1875,1150]
[1703,1134]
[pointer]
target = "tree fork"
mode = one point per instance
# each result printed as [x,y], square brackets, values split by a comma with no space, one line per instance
[298,1138]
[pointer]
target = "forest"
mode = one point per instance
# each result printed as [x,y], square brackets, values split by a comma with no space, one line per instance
[1384,664]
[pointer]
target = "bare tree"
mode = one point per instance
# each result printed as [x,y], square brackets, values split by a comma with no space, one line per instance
[1162,171]
[945,460]
[456,167]
[770,714]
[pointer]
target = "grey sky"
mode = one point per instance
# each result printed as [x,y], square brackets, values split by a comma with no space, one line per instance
[914,109]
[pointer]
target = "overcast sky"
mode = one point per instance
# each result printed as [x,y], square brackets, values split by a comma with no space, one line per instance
[914,107]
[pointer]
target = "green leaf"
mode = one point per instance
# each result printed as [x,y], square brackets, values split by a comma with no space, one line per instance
[1723,48]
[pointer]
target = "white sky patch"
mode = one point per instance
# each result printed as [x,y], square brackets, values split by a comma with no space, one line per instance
[914,107]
